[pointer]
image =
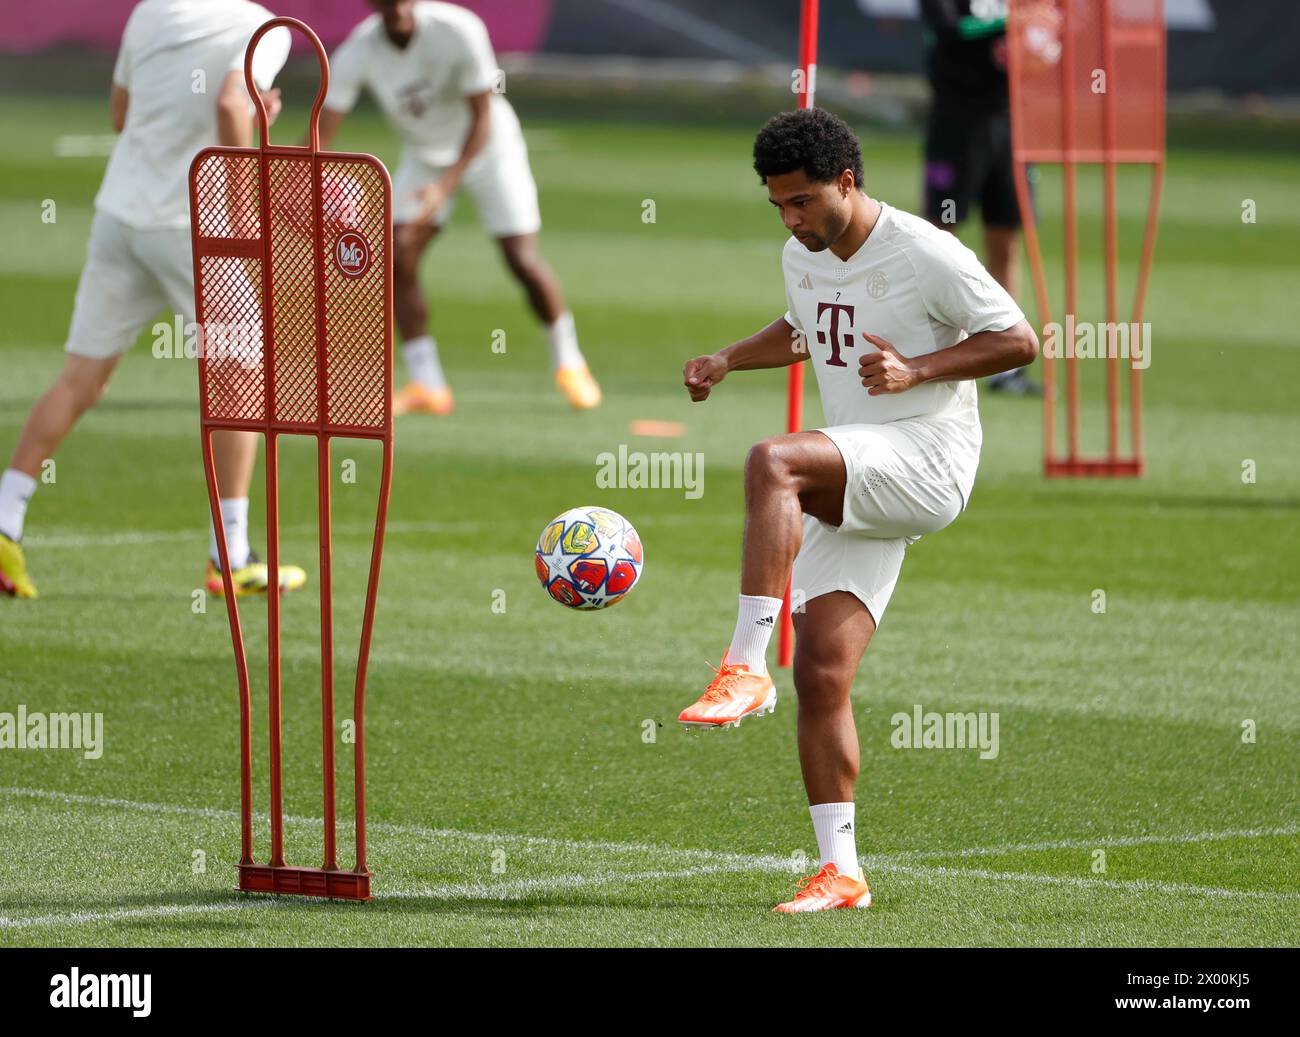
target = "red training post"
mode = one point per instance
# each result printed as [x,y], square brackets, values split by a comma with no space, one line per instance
[794,387]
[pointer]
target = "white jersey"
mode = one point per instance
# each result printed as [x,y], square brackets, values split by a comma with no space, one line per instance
[174,57]
[917,287]
[422,87]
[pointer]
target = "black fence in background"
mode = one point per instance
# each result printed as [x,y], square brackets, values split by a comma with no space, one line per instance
[1238,46]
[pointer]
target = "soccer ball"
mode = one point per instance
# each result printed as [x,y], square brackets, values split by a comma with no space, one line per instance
[589,558]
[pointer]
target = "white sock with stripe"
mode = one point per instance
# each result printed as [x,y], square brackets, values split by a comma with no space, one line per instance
[16,489]
[836,841]
[422,364]
[234,516]
[754,625]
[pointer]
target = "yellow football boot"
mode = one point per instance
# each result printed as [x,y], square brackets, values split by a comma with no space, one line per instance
[254,577]
[14,580]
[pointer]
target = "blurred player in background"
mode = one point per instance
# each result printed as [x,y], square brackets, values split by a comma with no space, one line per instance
[431,68]
[968,139]
[139,259]
[896,319]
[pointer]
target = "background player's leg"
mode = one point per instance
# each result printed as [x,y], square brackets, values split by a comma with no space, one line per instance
[233,455]
[832,632]
[79,386]
[532,271]
[1000,209]
[428,390]
[547,301]
[1001,256]
[409,307]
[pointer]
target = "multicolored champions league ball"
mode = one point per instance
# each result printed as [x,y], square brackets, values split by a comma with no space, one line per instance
[589,558]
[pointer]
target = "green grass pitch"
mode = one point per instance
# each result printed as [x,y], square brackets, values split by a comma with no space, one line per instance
[514,794]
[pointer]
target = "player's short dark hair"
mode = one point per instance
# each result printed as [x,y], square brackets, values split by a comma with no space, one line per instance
[812,139]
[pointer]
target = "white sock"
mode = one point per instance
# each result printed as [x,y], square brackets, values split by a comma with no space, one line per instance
[234,516]
[836,842]
[754,625]
[16,489]
[422,364]
[563,337]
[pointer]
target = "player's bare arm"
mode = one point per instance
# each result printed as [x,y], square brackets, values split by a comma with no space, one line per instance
[886,370]
[330,121]
[235,115]
[118,99]
[434,196]
[777,345]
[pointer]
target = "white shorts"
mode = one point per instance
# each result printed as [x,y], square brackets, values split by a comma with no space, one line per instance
[893,495]
[131,275]
[500,180]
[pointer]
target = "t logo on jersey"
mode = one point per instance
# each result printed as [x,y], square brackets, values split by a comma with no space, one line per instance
[836,342]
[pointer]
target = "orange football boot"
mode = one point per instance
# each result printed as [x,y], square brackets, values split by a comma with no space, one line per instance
[417,398]
[827,890]
[578,386]
[732,695]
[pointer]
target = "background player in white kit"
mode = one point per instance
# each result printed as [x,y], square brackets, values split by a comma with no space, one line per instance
[896,318]
[431,68]
[139,260]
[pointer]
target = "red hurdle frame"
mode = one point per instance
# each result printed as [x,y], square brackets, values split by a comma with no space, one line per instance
[296,243]
[808,16]
[1124,124]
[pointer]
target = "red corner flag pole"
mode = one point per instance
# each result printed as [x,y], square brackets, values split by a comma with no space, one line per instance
[794,394]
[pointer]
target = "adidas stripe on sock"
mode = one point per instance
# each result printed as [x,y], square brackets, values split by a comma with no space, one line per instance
[754,625]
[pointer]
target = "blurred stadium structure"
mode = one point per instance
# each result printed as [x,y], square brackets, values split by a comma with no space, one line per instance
[705,58]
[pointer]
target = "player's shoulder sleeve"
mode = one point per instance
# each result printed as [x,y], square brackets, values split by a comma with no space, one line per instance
[954,285]
[122,68]
[788,276]
[348,67]
[272,49]
[476,65]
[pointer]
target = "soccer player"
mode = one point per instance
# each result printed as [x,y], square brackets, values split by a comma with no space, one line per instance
[896,318]
[968,139]
[139,259]
[432,70]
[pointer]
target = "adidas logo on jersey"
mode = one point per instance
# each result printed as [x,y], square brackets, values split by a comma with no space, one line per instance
[806,283]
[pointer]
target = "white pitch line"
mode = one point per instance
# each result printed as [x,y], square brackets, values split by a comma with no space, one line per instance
[1101,842]
[132,538]
[722,861]
[161,911]
[83,540]
[516,889]
[421,831]
[1082,882]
